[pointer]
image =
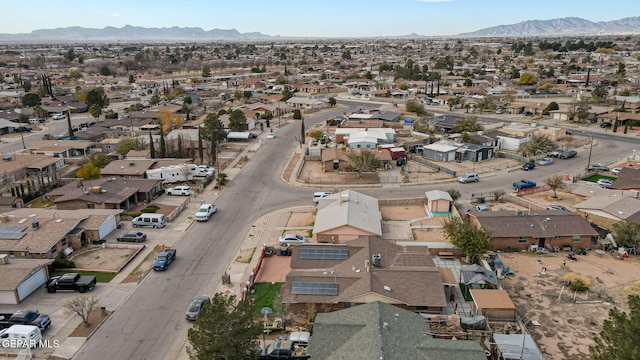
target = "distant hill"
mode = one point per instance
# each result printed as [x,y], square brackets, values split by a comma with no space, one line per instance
[130,33]
[560,27]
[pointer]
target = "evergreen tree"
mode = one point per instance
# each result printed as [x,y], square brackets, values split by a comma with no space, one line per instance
[163,146]
[152,147]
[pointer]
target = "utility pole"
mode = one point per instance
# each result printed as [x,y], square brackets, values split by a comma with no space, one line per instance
[590,149]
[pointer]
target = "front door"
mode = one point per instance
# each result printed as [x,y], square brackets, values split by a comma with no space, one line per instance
[541,242]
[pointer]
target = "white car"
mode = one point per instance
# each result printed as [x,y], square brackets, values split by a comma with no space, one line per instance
[615,171]
[605,182]
[179,190]
[59,116]
[271,136]
[292,239]
[205,212]
[207,169]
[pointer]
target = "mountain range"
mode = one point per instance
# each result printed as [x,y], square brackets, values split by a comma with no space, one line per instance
[128,33]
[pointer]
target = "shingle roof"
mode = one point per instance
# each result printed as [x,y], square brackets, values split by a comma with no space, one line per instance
[407,274]
[508,224]
[628,178]
[382,331]
[359,211]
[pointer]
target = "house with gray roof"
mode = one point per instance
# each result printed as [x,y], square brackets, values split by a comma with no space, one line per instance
[607,210]
[382,331]
[542,228]
[346,216]
[337,276]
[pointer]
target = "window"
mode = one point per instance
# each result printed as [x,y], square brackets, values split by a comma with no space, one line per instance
[64,242]
[522,240]
[576,238]
[54,249]
[91,206]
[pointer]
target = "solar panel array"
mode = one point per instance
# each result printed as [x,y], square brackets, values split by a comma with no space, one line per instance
[320,253]
[314,288]
[12,232]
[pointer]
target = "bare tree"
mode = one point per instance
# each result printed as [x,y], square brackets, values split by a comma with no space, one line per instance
[80,306]
[555,182]
[498,194]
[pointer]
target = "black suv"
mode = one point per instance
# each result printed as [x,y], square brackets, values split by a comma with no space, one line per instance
[528,166]
[605,124]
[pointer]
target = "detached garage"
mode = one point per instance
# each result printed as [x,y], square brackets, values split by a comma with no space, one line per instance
[21,277]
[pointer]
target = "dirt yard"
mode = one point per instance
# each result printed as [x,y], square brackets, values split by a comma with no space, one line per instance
[567,321]
[103,259]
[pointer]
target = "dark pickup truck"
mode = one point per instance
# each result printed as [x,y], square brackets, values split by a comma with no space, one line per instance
[524,184]
[71,281]
[164,259]
[25,317]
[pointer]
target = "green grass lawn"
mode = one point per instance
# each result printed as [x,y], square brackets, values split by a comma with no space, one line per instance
[100,277]
[596,177]
[264,295]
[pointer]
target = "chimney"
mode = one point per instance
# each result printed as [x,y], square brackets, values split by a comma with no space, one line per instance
[344,197]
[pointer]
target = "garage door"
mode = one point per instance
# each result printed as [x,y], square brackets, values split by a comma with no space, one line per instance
[31,283]
[107,227]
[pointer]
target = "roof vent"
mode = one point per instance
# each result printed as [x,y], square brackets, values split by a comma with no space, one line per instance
[376,260]
[387,288]
[35,225]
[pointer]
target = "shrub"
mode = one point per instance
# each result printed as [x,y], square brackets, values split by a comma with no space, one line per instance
[577,282]
[60,263]
[150,209]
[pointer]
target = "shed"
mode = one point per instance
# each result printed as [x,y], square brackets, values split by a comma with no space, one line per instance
[495,304]
[517,346]
[236,135]
[439,201]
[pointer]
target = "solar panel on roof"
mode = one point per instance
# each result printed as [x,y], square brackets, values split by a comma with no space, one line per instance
[12,232]
[324,253]
[314,288]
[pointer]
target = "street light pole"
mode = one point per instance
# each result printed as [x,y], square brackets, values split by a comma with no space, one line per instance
[590,149]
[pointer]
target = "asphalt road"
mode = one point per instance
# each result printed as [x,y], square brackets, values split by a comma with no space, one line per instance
[151,321]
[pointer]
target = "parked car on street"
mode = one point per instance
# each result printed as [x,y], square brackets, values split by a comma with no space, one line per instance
[568,154]
[598,167]
[271,136]
[58,116]
[292,239]
[179,190]
[205,211]
[132,236]
[194,311]
[528,166]
[468,177]
[553,153]
[545,161]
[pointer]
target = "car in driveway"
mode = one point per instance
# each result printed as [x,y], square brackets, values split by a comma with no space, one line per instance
[568,154]
[598,167]
[605,182]
[528,166]
[132,236]
[557,207]
[179,190]
[292,239]
[606,124]
[205,211]
[545,161]
[271,136]
[194,311]
[616,171]
[59,116]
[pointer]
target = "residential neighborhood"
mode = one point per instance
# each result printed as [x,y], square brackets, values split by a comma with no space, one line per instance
[420,246]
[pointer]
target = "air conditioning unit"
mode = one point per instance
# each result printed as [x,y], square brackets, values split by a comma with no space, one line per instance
[4,259]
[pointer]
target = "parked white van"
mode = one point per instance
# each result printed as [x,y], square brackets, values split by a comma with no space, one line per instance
[20,336]
[319,195]
[150,220]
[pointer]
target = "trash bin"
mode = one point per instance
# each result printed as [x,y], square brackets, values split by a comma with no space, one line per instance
[480,200]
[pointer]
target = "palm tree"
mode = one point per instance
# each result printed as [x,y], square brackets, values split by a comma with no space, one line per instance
[95,110]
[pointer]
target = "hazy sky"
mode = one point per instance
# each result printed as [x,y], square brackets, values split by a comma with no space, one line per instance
[326,18]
